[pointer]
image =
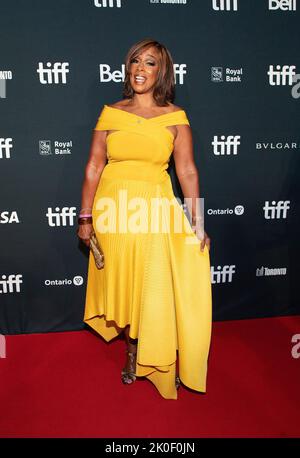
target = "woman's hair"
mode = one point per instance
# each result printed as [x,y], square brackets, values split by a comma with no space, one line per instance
[164,89]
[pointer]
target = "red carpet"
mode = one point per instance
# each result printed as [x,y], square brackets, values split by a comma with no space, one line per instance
[68,385]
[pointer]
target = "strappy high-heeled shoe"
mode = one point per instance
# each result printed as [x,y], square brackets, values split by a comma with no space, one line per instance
[128,376]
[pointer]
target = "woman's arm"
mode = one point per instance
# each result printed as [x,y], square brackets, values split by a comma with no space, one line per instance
[188,177]
[94,167]
[93,170]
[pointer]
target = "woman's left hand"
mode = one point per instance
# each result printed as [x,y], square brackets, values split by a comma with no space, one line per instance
[205,241]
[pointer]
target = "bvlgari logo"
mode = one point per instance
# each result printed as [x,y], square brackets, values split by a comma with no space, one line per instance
[277,145]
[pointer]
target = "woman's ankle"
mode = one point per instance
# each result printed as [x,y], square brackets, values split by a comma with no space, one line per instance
[132,345]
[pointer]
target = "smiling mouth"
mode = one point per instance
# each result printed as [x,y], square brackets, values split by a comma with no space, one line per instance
[139,79]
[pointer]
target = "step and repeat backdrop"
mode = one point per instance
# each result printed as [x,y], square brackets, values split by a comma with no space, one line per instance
[237,68]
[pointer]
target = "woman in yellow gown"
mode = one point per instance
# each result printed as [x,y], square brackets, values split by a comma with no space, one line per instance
[155,285]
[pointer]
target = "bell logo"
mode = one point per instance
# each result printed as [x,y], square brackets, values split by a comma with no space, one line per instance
[284,5]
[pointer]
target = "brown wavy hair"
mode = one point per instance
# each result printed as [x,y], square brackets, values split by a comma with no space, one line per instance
[164,89]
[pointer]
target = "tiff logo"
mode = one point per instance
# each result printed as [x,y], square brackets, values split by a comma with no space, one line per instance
[2,346]
[285,5]
[276,211]
[222,274]
[61,217]
[5,147]
[282,76]
[109,3]
[221,5]
[226,145]
[10,283]
[106,75]
[55,75]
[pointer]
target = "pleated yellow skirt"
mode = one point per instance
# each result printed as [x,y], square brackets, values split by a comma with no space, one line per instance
[158,283]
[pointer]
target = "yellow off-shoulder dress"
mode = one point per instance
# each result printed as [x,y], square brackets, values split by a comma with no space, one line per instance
[155,278]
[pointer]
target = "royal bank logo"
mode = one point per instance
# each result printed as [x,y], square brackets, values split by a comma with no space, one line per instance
[10,284]
[226,146]
[270,272]
[53,73]
[225,5]
[107,75]
[222,274]
[217,74]
[227,75]
[276,210]
[108,3]
[281,75]
[45,147]
[284,5]
[59,148]
[5,147]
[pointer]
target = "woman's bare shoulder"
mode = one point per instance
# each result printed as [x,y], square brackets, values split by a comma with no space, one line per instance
[175,107]
[119,104]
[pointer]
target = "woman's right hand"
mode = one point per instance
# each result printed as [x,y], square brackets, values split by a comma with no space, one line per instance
[84,232]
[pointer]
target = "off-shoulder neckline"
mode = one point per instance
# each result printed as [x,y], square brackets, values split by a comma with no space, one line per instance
[142,117]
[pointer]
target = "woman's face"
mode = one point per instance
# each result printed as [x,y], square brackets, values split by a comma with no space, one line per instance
[143,70]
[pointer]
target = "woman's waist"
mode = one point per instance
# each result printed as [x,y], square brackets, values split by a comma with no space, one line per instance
[135,170]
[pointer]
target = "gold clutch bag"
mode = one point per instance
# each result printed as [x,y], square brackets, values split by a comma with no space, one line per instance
[97,251]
